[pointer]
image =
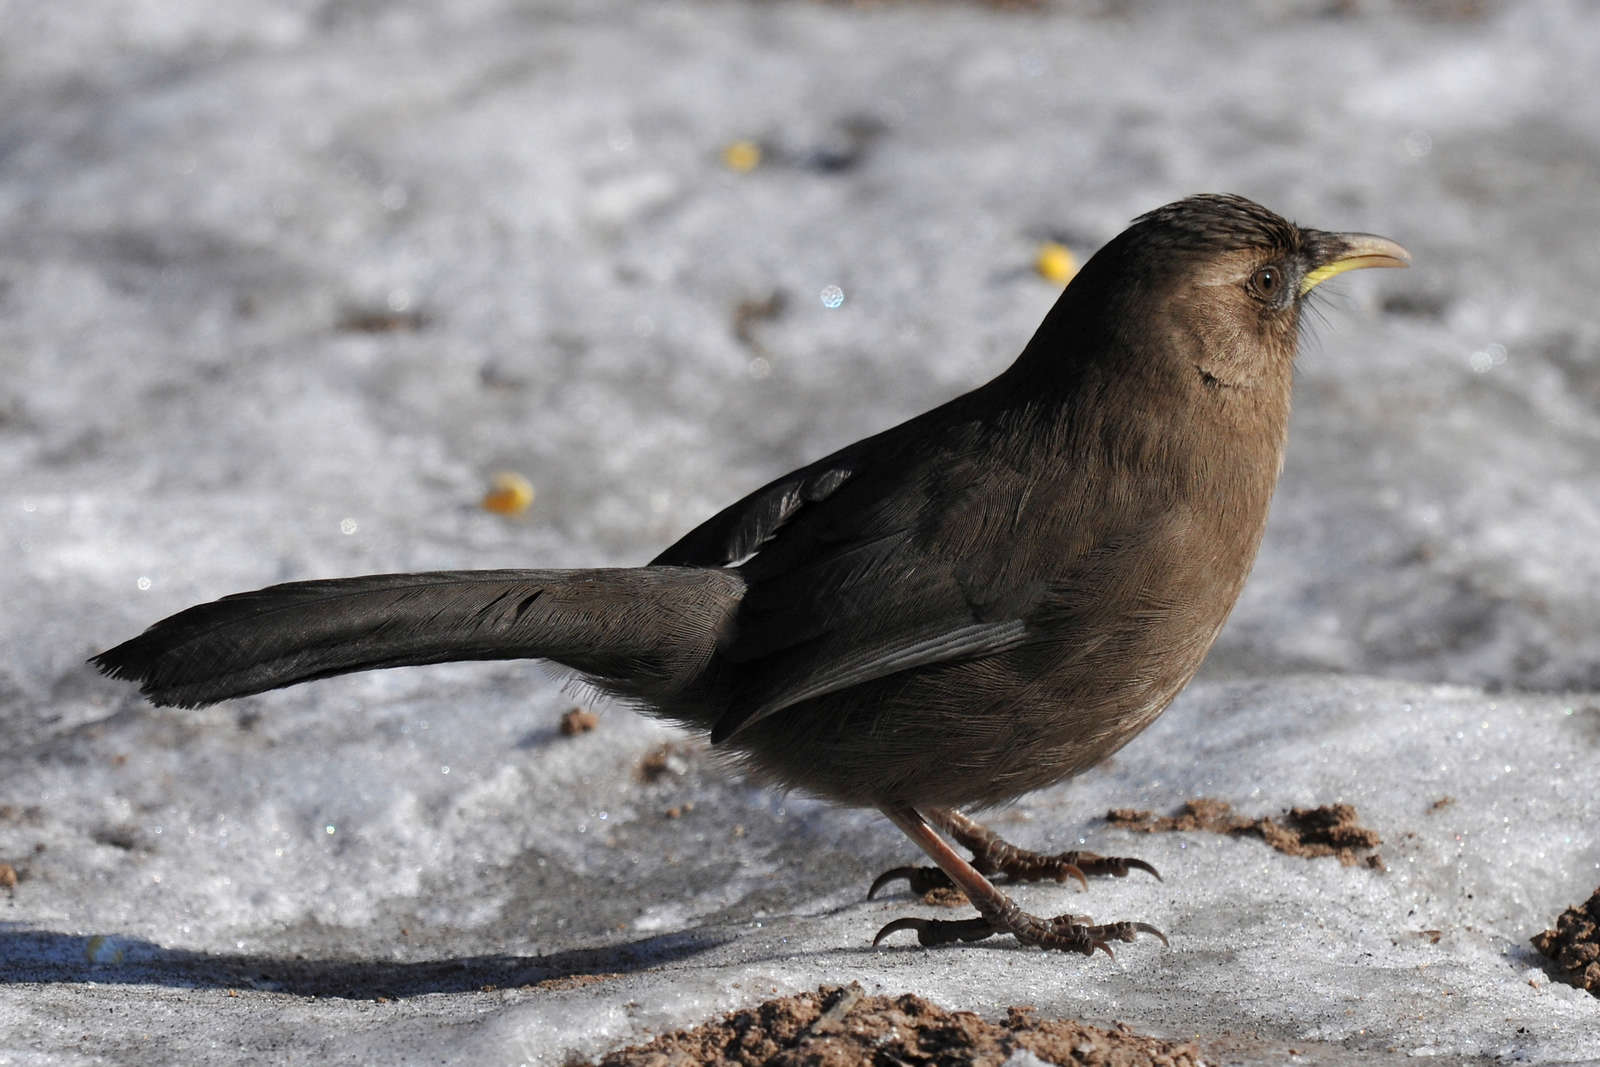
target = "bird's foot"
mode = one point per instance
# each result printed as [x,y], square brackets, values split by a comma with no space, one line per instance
[997,913]
[1063,933]
[992,854]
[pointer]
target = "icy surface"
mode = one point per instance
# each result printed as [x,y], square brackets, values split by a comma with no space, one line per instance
[208,210]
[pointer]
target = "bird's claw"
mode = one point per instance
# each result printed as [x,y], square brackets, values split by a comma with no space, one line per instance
[940,931]
[1061,871]
[920,879]
[1113,866]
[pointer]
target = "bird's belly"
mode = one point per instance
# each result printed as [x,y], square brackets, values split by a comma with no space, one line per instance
[965,734]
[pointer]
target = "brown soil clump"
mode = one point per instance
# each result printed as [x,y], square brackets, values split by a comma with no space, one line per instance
[843,1026]
[671,759]
[578,721]
[1329,830]
[1575,945]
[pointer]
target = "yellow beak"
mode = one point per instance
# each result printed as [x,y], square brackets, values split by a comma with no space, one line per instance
[1354,251]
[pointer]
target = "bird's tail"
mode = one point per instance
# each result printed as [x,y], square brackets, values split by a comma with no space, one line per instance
[643,632]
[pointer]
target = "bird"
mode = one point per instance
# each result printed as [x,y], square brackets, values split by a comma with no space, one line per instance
[979,602]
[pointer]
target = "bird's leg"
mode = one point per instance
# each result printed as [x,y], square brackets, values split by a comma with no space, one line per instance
[997,913]
[992,854]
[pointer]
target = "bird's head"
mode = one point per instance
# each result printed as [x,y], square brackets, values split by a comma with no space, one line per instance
[1211,288]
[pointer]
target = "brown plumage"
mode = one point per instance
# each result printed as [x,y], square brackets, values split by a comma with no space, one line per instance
[979,602]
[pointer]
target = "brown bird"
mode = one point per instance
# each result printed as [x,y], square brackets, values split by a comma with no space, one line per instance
[982,601]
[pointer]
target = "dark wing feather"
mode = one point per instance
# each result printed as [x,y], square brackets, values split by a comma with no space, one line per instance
[745,526]
[841,662]
[857,570]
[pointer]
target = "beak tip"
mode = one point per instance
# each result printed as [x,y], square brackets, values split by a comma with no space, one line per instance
[1371,250]
[1355,251]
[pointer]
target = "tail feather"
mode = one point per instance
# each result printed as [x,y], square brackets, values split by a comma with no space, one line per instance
[644,632]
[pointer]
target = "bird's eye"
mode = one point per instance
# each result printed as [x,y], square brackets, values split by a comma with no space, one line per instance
[1266,282]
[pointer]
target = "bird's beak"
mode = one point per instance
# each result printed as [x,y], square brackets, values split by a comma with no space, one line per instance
[1352,251]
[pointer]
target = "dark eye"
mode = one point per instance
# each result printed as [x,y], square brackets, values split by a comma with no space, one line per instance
[1266,282]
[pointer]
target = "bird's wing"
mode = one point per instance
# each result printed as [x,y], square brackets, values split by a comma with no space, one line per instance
[744,526]
[894,568]
[839,662]
[885,556]
[936,577]
[761,521]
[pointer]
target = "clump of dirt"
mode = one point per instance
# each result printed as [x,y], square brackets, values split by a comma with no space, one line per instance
[946,896]
[841,1026]
[577,721]
[671,759]
[1575,945]
[1329,830]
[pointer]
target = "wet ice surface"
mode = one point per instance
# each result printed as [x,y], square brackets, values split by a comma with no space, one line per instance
[281,287]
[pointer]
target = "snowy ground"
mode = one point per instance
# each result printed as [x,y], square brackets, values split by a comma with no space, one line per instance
[205,210]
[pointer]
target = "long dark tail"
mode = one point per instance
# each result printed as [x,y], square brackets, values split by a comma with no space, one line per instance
[644,632]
